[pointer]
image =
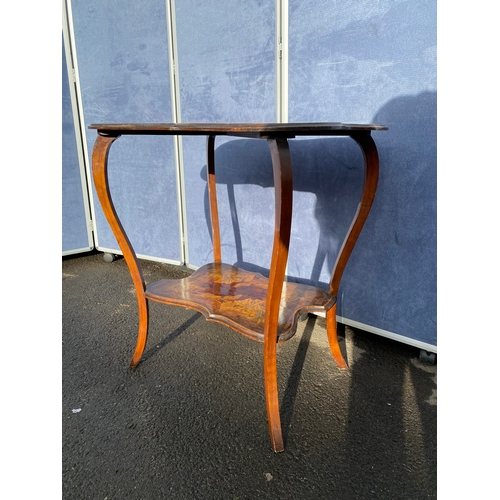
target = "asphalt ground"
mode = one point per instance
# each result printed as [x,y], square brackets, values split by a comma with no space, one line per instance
[190,421]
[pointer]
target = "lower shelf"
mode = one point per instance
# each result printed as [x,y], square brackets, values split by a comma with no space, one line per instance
[237,298]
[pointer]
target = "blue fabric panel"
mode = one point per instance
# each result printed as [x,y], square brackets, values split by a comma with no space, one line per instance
[327,176]
[122,49]
[246,202]
[348,59]
[226,71]
[74,220]
[365,62]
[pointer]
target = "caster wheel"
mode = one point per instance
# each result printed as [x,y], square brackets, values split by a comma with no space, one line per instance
[429,358]
[108,257]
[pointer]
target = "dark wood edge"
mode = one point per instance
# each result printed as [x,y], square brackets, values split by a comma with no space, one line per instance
[253,130]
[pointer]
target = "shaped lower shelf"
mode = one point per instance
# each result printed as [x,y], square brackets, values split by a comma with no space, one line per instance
[237,298]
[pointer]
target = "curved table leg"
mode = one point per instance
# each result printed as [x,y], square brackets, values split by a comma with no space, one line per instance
[100,175]
[371,160]
[282,167]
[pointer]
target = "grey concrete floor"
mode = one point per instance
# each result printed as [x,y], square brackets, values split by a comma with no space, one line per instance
[190,421]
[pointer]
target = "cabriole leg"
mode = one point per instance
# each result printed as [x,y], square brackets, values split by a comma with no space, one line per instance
[282,168]
[371,161]
[100,175]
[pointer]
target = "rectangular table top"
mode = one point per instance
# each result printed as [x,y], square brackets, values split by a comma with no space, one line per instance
[236,129]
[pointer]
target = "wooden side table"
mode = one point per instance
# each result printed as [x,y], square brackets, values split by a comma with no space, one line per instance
[263,309]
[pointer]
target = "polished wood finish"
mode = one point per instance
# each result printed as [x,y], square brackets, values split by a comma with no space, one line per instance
[263,309]
[236,298]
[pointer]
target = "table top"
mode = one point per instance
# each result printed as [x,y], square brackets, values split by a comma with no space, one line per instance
[236,129]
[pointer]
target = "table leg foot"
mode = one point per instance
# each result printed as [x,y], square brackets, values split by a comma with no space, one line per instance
[331,330]
[142,335]
[272,403]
